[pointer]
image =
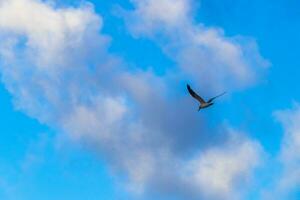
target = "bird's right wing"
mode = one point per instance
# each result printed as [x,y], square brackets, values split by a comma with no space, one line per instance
[195,95]
[211,99]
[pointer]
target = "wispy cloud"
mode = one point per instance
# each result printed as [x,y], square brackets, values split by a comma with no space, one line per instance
[55,63]
[287,180]
[205,54]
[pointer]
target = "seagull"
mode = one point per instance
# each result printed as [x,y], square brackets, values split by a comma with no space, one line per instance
[203,104]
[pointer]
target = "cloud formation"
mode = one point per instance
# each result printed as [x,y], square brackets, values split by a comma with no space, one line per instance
[219,170]
[56,65]
[203,53]
[288,158]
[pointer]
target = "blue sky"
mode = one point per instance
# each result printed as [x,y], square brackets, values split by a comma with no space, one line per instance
[94,105]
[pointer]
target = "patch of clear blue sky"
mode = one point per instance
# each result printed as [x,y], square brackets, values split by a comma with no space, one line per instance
[274,24]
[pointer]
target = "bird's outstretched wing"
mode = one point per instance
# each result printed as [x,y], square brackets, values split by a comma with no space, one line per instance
[211,99]
[193,94]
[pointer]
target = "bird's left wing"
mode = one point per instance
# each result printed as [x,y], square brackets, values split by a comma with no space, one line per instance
[211,99]
[195,95]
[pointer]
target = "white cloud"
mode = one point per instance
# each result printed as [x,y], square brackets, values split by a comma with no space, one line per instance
[96,121]
[219,171]
[210,59]
[289,156]
[284,168]
[155,15]
[49,33]
[291,141]
[45,49]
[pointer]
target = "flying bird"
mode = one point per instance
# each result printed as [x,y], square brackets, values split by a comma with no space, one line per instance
[203,103]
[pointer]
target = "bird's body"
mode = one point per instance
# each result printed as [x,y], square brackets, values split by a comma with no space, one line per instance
[203,103]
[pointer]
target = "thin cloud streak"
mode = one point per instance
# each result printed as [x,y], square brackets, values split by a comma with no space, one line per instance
[287,181]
